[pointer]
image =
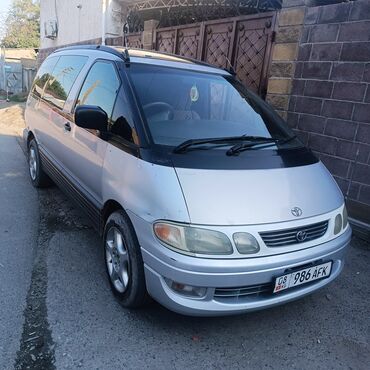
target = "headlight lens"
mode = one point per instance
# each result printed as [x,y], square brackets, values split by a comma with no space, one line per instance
[337,224]
[193,239]
[246,243]
[345,217]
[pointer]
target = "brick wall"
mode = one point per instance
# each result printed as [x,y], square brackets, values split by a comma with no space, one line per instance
[329,102]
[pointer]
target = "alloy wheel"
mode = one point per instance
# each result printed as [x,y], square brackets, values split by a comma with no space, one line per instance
[32,164]
[117,259]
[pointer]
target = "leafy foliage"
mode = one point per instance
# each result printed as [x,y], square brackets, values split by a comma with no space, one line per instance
[23,25]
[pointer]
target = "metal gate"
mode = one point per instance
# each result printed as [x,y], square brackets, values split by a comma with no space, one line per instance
[242,42]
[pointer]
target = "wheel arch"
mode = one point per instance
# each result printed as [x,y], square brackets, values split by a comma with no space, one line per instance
[109,207]
[30,136]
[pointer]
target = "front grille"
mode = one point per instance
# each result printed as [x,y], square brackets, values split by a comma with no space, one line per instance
[279,238]
[240,292]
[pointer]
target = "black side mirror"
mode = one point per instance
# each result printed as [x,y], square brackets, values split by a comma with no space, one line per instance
[91,117]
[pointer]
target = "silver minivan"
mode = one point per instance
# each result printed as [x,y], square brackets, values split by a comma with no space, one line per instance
[205,199]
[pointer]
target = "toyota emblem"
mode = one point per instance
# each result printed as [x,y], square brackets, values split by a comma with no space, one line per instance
[301,236]
[296,211]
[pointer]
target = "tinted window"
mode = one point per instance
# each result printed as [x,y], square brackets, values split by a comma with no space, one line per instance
[100,87]
[62,79]
[43,75]
[121,125]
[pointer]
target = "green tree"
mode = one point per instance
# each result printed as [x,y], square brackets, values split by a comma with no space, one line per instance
[22,26]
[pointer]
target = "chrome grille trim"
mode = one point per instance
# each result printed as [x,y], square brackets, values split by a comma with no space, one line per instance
[280,238]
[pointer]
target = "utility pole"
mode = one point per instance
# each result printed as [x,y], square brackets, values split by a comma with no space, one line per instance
[2,64]
[103,24]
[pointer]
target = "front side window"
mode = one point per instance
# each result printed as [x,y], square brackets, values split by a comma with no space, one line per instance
[121,124]
[62,79]
[100,87]
[181,105]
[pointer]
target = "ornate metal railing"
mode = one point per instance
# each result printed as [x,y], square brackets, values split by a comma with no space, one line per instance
[178,12]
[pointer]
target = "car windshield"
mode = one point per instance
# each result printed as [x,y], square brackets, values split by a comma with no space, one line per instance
[181,105]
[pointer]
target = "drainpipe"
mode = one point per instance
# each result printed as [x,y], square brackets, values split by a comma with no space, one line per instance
[104,10]
[2,63]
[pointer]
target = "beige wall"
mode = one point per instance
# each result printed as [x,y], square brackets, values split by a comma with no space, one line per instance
[18,54]
[76,25]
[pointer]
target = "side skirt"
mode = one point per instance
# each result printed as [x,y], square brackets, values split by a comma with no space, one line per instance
[80,198]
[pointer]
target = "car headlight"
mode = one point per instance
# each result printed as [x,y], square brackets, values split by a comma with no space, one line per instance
[345,217]
[246,243]
[337,224]
[192,240]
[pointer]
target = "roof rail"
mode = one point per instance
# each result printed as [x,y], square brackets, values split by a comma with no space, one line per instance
[123,55]
[193,60]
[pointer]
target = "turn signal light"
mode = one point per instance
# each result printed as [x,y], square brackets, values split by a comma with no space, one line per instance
[246,243]
[337,224]
[345,217]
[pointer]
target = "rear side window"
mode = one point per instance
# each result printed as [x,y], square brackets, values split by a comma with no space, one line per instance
[62,79]
[43,75]
[100,87]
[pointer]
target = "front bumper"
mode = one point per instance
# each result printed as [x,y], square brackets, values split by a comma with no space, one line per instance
[226,273]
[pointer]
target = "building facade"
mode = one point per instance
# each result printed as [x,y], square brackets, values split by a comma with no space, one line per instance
[68,22]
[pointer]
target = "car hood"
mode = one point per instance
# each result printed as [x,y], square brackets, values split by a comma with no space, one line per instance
[241,197]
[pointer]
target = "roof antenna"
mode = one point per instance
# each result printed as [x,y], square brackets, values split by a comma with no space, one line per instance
[125,32]
[231,68]
[126,56]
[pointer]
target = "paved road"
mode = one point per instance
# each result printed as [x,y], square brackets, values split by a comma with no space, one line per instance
[19,221]
[57,310]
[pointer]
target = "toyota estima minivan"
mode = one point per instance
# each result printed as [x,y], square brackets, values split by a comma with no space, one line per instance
[205,199]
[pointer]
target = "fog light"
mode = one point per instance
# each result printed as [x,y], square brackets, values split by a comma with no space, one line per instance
[345,217]
[246,243]
[337,224]
[186,290]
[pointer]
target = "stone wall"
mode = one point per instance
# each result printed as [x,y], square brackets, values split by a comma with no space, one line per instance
[290,26]
[321,85]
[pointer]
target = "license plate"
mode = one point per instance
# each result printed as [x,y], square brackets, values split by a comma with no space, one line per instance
[302,276]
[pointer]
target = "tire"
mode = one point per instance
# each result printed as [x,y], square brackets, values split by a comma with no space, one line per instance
[123,261]
[38,177]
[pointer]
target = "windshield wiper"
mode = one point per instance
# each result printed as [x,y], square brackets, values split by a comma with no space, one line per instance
[182,148]
[236,149]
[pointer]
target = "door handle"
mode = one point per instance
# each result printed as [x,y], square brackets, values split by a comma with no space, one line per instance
[67,126]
